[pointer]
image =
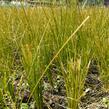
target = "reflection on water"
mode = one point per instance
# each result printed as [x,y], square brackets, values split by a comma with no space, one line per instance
[14,4]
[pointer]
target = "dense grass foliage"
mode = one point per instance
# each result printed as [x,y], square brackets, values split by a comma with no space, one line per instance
[31,38]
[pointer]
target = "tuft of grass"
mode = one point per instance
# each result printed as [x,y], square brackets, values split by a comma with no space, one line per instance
[38,37]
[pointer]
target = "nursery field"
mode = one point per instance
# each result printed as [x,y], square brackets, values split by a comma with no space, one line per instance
[46,54]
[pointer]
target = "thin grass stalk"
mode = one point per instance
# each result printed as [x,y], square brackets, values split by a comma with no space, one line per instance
[57,55]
